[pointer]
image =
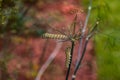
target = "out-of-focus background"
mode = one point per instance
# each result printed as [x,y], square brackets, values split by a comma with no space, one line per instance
[23,52]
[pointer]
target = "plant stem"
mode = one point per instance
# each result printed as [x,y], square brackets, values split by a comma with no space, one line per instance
[84,49]
[79,63]
[68,71]
[49,60]
[80,56]
[83,31]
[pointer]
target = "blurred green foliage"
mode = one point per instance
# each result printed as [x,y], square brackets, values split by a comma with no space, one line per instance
[13,14]
[107,39]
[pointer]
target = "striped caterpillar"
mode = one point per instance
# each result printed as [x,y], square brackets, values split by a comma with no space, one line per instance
[54,36]
[68,56]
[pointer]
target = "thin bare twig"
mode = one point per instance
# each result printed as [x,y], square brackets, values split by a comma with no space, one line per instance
[84,49]
[83,53]
[83,32]
[81,45]
[47,63]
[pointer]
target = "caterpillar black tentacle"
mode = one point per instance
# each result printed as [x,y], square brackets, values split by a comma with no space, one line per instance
[54,36]
[68,56]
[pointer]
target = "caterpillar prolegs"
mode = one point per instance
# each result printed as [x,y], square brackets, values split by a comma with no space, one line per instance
[54,36]
[68,56]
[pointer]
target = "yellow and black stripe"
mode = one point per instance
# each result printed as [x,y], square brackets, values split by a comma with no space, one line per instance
[54,36]
[68,56]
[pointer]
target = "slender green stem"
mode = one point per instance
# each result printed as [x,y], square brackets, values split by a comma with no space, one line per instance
[68,71]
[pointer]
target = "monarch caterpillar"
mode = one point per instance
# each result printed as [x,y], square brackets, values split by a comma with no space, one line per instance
[68,56]
[54,36]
